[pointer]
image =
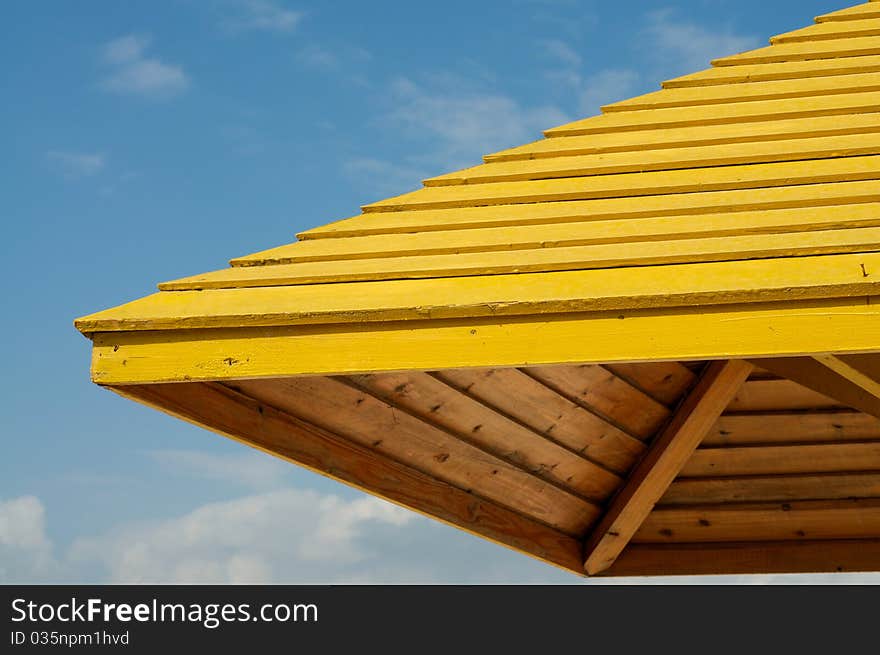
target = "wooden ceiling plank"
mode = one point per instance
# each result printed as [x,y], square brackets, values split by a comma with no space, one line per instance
[666,456]
[276,433]
[815,375]
[822,556]
[444,406]
[792,427]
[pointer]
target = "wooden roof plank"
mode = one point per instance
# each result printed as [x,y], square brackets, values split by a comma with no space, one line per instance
[653,253]
[793,427]
[632,185]
[588,232]
[503,295]
[819,556]
[374,424]
[779,395]
[783,460]
[831,519]
[858,12]
[828,30]
[443,406]
[684,137]
[666,382]
[752,92]
[276,433]
[513,393]
[790,70]
[850,369]
[731,201]
[818,377]
[779,488]
[652,476]
[726,114]
[666,159]
[831,49]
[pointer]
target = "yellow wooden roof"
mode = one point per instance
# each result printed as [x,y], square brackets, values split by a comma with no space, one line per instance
[648,343]
[754,180]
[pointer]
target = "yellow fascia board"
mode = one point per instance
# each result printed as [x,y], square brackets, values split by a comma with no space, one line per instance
[694,333]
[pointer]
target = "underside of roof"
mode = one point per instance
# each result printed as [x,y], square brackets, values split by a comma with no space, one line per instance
[646,344]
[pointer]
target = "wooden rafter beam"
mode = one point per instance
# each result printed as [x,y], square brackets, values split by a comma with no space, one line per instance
[240,417]
[825,376]
[854,369]
[666,456]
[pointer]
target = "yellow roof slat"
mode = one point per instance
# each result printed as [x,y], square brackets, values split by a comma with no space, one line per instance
[746,176]
[644,253]
[734,112]
[711,283]
[867,10]
[772,90]
[661,160]
[831,30]
[831,49]
[525,237]
[788,70]
[733,201]
[701,135]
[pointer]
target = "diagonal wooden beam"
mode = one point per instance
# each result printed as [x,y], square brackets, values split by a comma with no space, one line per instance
[825,376]
[666,456]
[853,369]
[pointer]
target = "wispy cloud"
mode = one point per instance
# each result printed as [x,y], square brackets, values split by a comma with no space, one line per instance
[262,15]
[561,51]
[384,178]
[682,46]
[77,164]
[133,72]
[606,86]
[25,548]
[249,469]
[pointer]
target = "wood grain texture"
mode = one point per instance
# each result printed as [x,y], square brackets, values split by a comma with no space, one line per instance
[515,394]
[653,474]
[378,426]
[599,391]
[792,427]
[823,556]
[811,486]
[781,395]
[247,421]
[443,406]
[778,460]
[826,519]
[665,382]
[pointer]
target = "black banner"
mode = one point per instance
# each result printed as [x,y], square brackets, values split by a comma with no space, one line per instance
[415,618]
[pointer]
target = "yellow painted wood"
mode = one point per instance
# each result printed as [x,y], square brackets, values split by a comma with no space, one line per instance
[754,91]
[738,331]
[700,135]
[851,29]
[679,204]
[570,234]
[663,160]
[650,253]
[859,12]
[789,70]
[869,45]
[747,176]
[501,295]
[734,112]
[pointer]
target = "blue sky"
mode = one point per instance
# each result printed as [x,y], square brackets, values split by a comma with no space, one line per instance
[145,141]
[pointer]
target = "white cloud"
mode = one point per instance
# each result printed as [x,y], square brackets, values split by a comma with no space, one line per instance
[464,125]
[561,51]
[263,15]
[77,164]
[133,72]
[253,470]
[288,535]
[605,87]
[383,178]
[25,549]
[686,47]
